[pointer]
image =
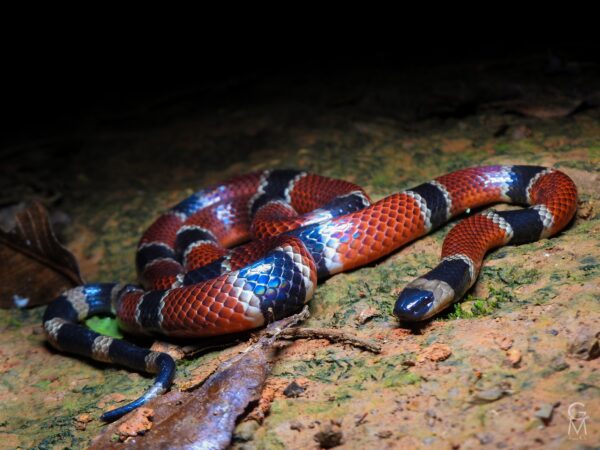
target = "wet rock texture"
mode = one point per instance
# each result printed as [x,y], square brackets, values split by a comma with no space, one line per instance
[500,370]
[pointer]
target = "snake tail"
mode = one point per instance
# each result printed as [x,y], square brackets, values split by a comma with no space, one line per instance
[64,333]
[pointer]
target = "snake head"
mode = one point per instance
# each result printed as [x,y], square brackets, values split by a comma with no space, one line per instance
[422,299]
[413,304]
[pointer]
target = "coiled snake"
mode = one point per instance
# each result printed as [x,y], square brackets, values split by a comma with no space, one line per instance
[305,228]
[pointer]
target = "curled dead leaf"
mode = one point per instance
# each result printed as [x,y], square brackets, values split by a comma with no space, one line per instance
[34,266]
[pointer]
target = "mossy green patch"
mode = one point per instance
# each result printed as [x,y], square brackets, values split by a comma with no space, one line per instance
[512,277]
[544,294]
[356,373]
[42,384]
[271,441]
[472,306]
[400,378]
[578,164]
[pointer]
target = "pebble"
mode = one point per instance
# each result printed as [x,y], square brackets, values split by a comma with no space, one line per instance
[435,352]
[431,416]
[81,421]
[504,342]
[453,392]
[585,345]
[484,438]
[544,412]
[293,390]
[514,357]
[489,395]
[366,314]
[384,434]
[558,363]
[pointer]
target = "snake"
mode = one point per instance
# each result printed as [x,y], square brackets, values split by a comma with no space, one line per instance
[249,251]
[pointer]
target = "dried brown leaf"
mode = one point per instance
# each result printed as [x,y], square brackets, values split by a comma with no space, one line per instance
[34,266]
[206,417]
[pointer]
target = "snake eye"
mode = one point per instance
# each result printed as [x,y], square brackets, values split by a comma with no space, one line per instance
[413,304]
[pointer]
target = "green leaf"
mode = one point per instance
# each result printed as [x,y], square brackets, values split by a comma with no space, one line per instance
[105,325]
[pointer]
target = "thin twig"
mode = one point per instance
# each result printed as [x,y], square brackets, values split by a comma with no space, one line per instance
[265,338]
[332,335]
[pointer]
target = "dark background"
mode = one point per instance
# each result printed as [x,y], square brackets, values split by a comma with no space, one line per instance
[55,86]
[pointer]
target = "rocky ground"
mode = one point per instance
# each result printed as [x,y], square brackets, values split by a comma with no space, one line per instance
[498,371]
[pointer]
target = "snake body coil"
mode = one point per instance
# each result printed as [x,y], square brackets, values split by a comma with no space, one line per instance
[306,227]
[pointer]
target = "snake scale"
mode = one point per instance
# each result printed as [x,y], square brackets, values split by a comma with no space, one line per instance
[197,280]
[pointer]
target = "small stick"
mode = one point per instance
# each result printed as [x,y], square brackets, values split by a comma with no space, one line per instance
[331,335]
